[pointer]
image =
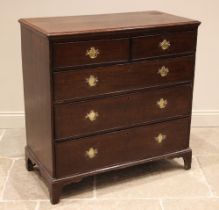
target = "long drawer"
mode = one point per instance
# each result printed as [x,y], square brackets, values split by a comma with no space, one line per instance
[102,151]
[77,84]
[88,117]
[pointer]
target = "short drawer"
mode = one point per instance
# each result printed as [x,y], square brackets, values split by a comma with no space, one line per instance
[88,117]
[102,151]
[124,77]
[90,52]
[163,44]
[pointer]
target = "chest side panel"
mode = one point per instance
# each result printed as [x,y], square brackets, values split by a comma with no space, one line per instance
[36,74]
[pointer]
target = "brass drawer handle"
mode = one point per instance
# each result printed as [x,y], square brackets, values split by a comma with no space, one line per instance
[91,153]
[163,71]
[162,103]
[164,44]
[92,80]
[92,115]
[92,53]
[160,138]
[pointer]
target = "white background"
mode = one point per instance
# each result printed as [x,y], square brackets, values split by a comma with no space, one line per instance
[206,96]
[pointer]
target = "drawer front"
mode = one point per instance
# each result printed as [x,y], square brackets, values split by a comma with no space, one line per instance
[117,78]
[102,151]
[164,44]
[90,52]
[88,117]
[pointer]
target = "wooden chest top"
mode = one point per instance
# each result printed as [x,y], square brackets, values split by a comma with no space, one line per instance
[74,25]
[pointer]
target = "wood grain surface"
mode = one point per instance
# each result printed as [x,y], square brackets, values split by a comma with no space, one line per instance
[120,111]
[121,147]
[73,85]
[59,26]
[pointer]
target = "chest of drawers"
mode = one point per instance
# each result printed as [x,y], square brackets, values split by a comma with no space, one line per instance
[106,92]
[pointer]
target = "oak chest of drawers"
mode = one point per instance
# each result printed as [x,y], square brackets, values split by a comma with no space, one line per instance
[106,92]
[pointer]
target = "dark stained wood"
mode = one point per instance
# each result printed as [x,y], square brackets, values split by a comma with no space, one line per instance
[187,158]
[74,53]
[148,46]
[28,162]
[57,96]
[59,26]
[121,147]
[72,84]
[120,111]
[36,74]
